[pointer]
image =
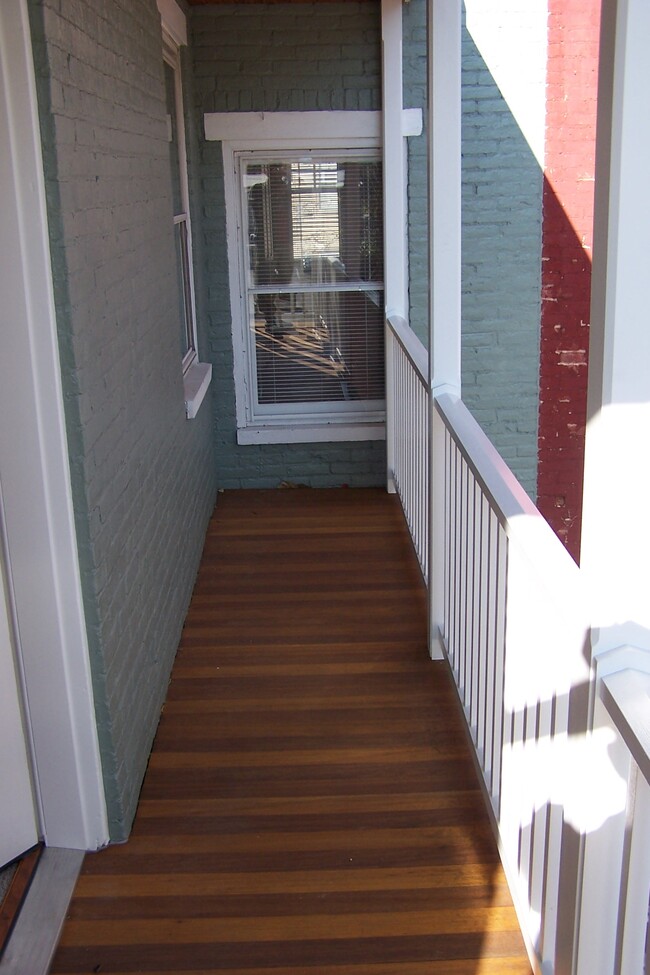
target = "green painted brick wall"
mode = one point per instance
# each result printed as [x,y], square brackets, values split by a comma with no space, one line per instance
[143,476]
[501,247]
[280,57]
[502,260]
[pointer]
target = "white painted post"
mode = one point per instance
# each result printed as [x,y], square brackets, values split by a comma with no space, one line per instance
[395,232]
[444,133]
[34,463]
[616,513]
[444,120]
[616,524]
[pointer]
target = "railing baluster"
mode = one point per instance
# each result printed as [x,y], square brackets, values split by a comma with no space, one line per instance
[476,604]
[453,589]
[465,574]
[447,542]
[471,565]
[457,541]
[411,425]
[483,661]
[499,661]
[490,654]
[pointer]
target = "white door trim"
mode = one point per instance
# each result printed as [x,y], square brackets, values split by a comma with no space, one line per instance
[35,474]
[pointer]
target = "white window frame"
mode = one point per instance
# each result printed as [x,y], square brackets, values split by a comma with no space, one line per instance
[293,132]
[171,56]
[196,375]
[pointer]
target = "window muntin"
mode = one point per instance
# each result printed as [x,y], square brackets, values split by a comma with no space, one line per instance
[312,268]
[180,204]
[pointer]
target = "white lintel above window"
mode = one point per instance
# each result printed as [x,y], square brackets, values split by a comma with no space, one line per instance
[173,20]
[280,126]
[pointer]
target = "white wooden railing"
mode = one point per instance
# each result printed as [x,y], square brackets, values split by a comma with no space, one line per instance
[562,744]
[626,697]
[514,630]
[409,384]
[509,613]
[614,932]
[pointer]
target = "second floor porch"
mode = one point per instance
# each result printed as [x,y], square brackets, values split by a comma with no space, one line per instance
[503,604]
[311,801]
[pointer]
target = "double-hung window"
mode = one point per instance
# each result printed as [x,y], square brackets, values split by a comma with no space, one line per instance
[180,201]
[196,375]
[309,307]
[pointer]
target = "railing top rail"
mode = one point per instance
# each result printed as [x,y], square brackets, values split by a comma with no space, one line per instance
[413,348]
[626,695]
[497,480]
[517,514]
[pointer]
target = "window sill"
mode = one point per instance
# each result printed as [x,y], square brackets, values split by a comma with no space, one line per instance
[318,433]
[195,383]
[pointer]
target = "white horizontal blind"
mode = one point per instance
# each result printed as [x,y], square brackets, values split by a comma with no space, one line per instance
[314,282]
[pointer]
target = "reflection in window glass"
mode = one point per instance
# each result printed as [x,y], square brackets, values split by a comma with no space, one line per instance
[314,268]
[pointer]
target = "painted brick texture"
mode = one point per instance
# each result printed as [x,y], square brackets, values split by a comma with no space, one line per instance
[501,245]
[275,57]
[501,254]
[573,38]
[143,476]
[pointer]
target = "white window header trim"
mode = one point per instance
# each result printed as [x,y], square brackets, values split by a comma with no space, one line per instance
[280,126]
[173,20]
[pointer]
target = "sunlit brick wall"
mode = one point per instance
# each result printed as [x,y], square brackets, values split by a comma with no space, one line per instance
[572,72]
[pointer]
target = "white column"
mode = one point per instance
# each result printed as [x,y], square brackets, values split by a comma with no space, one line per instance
[395,232]
[616,523]
[444,133]
[616,513]
[444,122]
[395,225]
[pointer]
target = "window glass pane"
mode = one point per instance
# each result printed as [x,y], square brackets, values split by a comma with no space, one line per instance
[184,294]
[315,210]
[306,216]
[174,157]
[318,346]
[314,256]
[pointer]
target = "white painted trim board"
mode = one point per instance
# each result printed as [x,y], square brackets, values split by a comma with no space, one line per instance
[278,126]
[36,480]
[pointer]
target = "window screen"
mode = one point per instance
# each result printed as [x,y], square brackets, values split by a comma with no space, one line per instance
[314,282]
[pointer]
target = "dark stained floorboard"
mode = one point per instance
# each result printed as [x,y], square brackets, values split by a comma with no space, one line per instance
[310,807]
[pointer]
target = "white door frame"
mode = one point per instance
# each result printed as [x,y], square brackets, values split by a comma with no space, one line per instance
[44,569]
[18,817]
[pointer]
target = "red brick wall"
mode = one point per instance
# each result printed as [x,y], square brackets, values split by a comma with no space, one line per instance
[567,222]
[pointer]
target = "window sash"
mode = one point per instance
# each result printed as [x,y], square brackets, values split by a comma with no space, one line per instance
[309,409]
[181,218]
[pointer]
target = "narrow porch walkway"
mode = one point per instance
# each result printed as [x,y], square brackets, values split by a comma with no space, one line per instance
[310,806]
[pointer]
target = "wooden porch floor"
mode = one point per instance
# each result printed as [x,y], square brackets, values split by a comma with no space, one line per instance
[310,807]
